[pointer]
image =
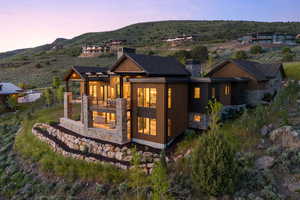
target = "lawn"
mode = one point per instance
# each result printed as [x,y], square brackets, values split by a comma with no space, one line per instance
[292,70]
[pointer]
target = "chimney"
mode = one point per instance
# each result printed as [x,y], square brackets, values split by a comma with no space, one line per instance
[123,50]
[194,67]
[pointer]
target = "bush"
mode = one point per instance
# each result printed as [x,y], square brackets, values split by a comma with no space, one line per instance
[256,49]
[240,55]
[288,57]
[215,169]
[286,50]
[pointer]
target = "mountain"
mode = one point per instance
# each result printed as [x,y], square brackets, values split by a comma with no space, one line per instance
[151,33]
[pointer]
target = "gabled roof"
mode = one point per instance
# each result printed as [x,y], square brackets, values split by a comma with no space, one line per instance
[9,88]
[84,72]
[259,71]
[155,65]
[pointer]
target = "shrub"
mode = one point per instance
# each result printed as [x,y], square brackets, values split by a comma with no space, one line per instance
[286,50]
[256,49]
[38,65]
[288,57]
[240,55]
[12,102]
[214,165]
[55,82]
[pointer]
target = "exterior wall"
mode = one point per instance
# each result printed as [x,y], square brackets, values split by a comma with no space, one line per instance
[127,65]
[238,93]
[223,98]
[231,70]
[178,114]
[199,105]
[159,113]
[117,135]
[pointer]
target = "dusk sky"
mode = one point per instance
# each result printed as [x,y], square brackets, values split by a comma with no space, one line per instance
[29,23]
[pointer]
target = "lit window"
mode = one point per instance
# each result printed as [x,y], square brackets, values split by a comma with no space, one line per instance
[169,98]
[197,118]
[147,126]
[227,89]
[197,92]
[213,92]
[147,97]
[93,90]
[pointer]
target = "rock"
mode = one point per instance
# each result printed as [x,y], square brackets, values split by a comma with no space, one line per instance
[264,162]
[147,154]
[294,187]
[286,136]
[119,155]
[264,130]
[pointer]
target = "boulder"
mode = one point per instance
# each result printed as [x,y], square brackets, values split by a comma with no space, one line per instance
[119,155]
[264,162]
[286,136]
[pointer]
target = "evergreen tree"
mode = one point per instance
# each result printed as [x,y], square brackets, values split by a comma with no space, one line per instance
[56,82]
[60,94]
[48,95]
[12,102]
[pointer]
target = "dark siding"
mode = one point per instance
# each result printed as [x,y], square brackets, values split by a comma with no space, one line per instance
[199,105]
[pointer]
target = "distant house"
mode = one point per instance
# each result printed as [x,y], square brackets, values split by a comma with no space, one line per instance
[269,38]
[6,90]
[174,41]
[264,79]
[94,50]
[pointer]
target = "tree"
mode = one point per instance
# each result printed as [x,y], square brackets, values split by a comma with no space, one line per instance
[182,55]
[288,57]
[48,95]
[160,182]
[55,82]
[214,165]
[12,102]
[240,55]
[60,94]
[286,50]
[137,176]
[199,53]
[256,49]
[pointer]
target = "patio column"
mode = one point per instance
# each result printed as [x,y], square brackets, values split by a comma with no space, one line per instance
[68,105]
[87,117]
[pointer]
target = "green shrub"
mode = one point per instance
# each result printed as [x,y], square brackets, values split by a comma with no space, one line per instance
[286,50]
[215,170]
[240,55]
[256,49]
[288,57]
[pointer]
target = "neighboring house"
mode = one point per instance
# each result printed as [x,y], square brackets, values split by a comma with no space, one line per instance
[151,100]
[269,38]
[264,79]
[6,90]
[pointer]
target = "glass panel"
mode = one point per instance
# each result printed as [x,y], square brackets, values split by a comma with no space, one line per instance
[197,93]
[147,126]
[153,95]
[140,125]
[147,97]
[169,98]
[152,126]
[197,118]
[140,97]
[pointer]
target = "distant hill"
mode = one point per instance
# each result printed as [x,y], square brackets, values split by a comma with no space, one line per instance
[151,33]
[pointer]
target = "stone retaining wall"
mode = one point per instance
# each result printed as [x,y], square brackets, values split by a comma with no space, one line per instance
[90,150]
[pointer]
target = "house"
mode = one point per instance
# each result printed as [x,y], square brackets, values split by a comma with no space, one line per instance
[180,39]
[6,90]
[264,79]
[151,100]
[269,38]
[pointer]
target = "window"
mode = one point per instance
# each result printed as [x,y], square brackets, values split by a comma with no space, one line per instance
[197,118]
[213,92]
[147,97]
[169,128]
[147,126]
[169,98]
[92,90]
[227,89]
[197,93]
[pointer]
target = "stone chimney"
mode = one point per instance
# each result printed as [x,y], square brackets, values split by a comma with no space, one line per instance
[194,67]
[123,50]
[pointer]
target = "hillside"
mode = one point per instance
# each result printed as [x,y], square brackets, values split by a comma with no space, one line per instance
[43,62]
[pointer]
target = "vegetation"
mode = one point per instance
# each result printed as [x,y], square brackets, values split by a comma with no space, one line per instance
[240,55]
[256,49]
[199,53]
[292,70]
[214,166]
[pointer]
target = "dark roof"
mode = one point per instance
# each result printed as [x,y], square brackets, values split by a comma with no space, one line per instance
[86,71]
[9,88]
[155,65]
[259,71]
[215,80]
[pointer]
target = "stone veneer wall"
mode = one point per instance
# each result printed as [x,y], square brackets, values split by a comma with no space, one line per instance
[71,146]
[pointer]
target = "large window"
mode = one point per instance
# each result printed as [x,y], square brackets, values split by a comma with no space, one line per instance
[147,97]
[170,98]
[227,89]
[197,93]
[93,89]
[197,117]
[147,126]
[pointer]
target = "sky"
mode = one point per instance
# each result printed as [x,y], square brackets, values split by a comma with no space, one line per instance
[29,23]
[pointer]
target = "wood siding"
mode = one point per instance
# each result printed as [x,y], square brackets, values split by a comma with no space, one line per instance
[231,70]
[128,65]
[178,114]
[161,110]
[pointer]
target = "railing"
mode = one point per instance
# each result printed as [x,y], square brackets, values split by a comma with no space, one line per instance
[109,103]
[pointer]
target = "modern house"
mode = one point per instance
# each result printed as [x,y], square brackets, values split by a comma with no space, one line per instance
[6,90]
[269,38]
[151,100]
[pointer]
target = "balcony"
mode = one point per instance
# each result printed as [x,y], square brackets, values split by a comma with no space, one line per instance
[100,104]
